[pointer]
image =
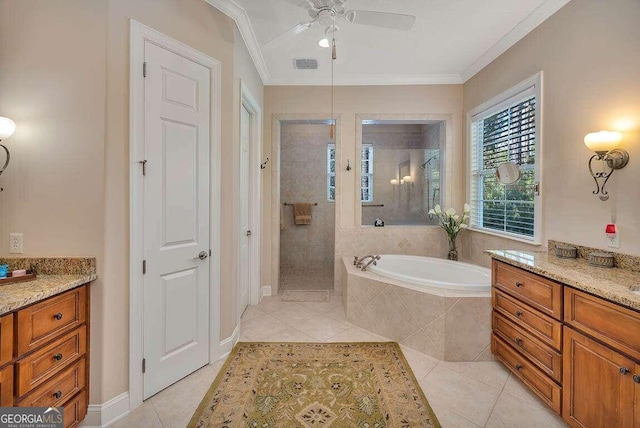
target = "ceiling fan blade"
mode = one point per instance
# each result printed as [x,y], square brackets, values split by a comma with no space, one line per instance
[395,21]
[287,35]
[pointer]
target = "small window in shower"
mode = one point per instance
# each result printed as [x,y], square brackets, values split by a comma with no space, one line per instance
[366,178]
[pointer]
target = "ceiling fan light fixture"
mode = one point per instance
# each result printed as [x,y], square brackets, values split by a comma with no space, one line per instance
[324,43]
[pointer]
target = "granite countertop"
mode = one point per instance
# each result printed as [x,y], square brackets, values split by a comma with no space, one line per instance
[614,284]
[20,294]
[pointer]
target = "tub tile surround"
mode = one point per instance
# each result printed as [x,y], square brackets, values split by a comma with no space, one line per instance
[450,328]
[615,284]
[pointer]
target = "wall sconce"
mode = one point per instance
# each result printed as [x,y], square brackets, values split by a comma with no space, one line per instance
[605,144]
[7,128]
[394,181]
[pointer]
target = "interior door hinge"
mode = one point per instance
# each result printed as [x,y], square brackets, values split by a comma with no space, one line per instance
[144,365]
[144,69]
[209,253]
[144,267]
[144,166]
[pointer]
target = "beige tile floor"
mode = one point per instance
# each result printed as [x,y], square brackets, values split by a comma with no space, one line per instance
[306,279]
[463,395]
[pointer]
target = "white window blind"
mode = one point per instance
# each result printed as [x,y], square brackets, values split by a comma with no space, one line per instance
[366,178]
[507,131]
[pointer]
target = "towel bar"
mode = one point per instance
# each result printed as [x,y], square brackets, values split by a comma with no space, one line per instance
[373,205]
[287,204]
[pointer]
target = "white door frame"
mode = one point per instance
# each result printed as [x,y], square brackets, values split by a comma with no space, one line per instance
[255,190]
[139,35]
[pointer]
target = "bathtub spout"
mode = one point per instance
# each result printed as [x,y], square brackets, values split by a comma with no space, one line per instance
[373,260]
[358,262]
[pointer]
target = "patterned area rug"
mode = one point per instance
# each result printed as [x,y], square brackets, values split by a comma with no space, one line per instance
[365,385]
[306,296]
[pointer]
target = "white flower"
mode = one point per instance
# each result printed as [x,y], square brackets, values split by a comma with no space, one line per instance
[437,209]
[456,217]
[467,208]
[451,212]
[431,211]
[463,225]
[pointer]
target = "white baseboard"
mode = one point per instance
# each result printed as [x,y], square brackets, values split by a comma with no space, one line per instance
[265,290]
[227,344]
[103,415]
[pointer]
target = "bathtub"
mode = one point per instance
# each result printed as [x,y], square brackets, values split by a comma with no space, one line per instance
[434,273]
[439,307]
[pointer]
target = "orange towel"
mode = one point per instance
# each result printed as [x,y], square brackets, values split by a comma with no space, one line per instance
[302,213]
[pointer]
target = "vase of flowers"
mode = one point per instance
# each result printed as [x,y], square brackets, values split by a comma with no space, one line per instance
[452,223]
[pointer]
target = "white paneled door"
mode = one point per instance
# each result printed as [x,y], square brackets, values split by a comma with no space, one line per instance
[245,230]
[176,218]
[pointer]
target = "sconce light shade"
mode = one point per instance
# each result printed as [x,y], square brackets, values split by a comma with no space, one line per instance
[604,144]
[394,181]
[7,127]
[603,141]
[407,179]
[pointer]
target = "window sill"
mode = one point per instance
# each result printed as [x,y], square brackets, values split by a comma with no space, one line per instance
[504,236]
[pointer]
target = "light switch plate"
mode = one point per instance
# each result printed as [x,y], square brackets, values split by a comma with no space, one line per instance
[613,240]
[15,243]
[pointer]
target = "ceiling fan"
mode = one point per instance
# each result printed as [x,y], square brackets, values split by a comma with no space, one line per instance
[328,12]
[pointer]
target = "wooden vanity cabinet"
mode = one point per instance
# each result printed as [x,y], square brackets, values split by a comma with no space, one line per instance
[44,355]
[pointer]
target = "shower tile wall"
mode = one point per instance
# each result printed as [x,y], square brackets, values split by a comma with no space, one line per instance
[303,178]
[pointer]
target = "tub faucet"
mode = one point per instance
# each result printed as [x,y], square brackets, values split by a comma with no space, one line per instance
[373,260]
[358,262]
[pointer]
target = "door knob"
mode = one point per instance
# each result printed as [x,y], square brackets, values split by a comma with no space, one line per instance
[248,233]
[203,255]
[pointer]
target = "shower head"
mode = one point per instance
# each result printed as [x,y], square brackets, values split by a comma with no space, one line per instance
[424,165]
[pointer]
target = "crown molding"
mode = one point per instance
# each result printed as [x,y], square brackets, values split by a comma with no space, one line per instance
[239,15]
[517,33]
[377,80]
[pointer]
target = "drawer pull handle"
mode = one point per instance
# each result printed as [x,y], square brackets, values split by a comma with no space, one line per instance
[519,284]
[519,367]
[624,370]
[57,394]
[58,316]
[636,378]
[57,357]
[519,342]
[518,314]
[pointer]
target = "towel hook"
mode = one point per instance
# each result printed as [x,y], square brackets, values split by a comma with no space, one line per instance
[348,165]
[263,165]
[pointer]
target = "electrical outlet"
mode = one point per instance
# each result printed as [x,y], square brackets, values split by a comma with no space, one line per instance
[613,236]
[15,243]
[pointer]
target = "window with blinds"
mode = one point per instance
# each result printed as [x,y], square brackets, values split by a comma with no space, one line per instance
[366,177]
[506,132]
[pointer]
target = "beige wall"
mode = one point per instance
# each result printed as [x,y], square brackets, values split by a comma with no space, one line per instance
[64,79]
[589,52]
[368,101]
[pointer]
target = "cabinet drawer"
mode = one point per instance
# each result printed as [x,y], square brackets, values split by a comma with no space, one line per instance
[42,322]
[541,385]
[40,366]
[58,389]
[6,386]
[75,410]
[538,292]
[607,322]
[544,357]
[540,325]
[6,339]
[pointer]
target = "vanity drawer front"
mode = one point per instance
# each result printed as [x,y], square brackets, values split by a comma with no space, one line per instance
[75,410]
[40,366]
[541,385]
[538,292]
[545,358]
[59,389]
[42,322]
[6,339]
[6,386]
[543,326]
[610,323]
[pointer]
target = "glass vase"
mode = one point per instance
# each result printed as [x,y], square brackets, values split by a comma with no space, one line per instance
[453,251]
